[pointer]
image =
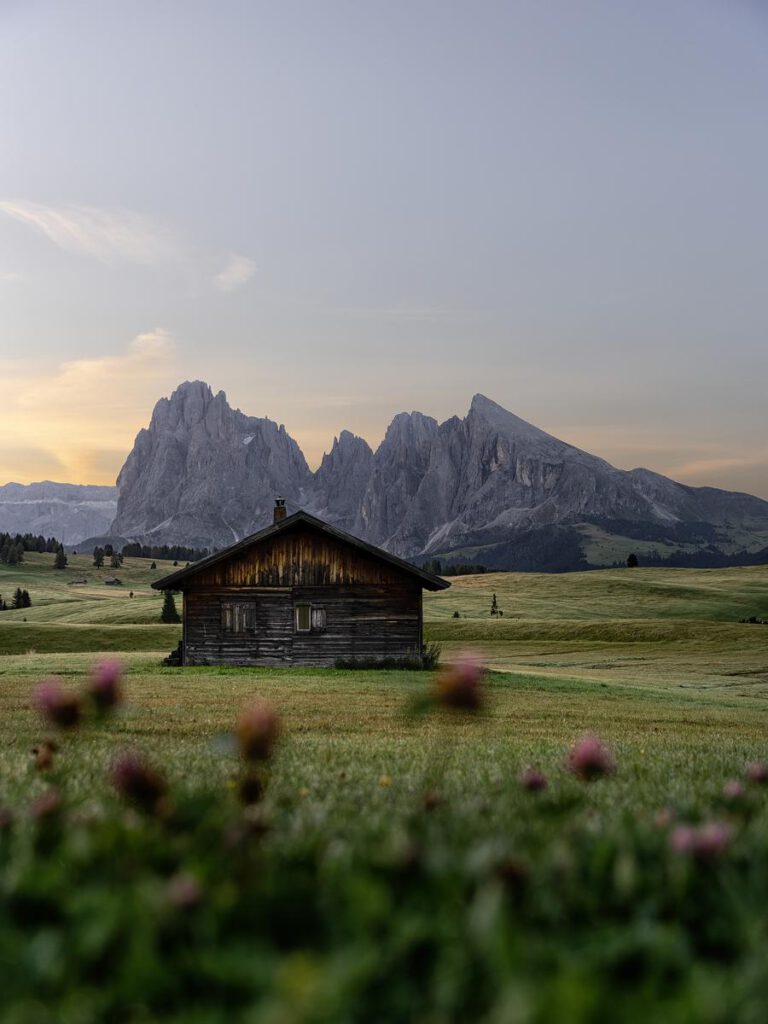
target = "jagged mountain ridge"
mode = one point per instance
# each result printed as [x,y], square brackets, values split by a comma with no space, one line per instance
[468,488]
[68,512]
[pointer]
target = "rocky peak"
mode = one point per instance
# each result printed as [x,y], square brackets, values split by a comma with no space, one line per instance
[206,474]
[412,429]
[341,479]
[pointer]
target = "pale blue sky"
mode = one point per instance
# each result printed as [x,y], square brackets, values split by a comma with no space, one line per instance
[335,211]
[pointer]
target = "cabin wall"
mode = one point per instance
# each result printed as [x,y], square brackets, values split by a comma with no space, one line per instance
[362,620]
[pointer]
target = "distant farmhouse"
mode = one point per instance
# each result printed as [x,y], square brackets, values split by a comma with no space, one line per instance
[300,592]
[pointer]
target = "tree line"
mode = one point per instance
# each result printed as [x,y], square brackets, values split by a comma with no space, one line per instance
[14,545]
[437,568]
[171,552]
[20,599]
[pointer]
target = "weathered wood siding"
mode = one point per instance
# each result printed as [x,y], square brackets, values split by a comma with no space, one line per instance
[362,620]
[372,609]
[298,557]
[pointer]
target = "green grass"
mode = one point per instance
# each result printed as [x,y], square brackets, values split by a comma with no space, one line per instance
[360,905]
[722,595]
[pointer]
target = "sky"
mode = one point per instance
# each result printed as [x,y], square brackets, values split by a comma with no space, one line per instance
[337,211]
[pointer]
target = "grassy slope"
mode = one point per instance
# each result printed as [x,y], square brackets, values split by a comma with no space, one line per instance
[94,617]
[638,654]
[643,627]
[357,722]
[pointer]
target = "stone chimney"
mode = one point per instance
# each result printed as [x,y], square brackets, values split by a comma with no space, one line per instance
[279,512]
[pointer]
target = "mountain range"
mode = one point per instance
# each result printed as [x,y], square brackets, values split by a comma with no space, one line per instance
[69,512]
[486,488]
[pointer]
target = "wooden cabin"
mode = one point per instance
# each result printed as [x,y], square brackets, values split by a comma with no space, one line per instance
[300,592]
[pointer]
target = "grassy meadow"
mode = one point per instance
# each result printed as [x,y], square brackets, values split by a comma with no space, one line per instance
[394,868]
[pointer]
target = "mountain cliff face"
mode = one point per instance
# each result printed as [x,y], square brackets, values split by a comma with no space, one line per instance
[68,512]
[205,472]
[483,488]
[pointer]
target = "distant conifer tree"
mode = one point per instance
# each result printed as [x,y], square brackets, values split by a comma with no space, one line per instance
[98,557]
[169,612]
[153,566]
[632,562]
[494,606]
[60,561]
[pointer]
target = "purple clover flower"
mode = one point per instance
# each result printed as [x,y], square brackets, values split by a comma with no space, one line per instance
[590,759]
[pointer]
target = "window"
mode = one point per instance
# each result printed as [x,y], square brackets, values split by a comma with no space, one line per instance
[310,618]
[238,616]
[303,618]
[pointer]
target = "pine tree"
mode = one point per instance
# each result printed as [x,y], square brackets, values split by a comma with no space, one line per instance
[169,612]
[60,561]
[12,557]
[153,566]
[632,562]
[18,598]
[494,606]
[98,557]
[115,561]
[26,599]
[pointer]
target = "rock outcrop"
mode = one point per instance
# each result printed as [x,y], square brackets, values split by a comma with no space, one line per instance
[205,474]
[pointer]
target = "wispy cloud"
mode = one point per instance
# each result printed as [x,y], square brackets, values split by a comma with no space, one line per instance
[84,414]
[108,235]
[237,271]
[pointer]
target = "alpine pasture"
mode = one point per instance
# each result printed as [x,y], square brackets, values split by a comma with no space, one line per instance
[392,859]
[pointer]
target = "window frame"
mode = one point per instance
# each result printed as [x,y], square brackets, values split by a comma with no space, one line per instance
[297,609]
[242,613]
[315,612]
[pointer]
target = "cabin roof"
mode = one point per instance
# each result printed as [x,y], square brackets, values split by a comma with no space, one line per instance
[427,579]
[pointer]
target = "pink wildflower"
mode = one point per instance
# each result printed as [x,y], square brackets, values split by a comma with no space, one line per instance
[44,755]
[757,772]
[590,759]
[257,731]
[734,790]
[703,843]
[460,685]
[533,780]
[55,704]
[104,685]
[137,781]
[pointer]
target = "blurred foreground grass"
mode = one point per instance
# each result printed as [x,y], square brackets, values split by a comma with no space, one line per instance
[395,869]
